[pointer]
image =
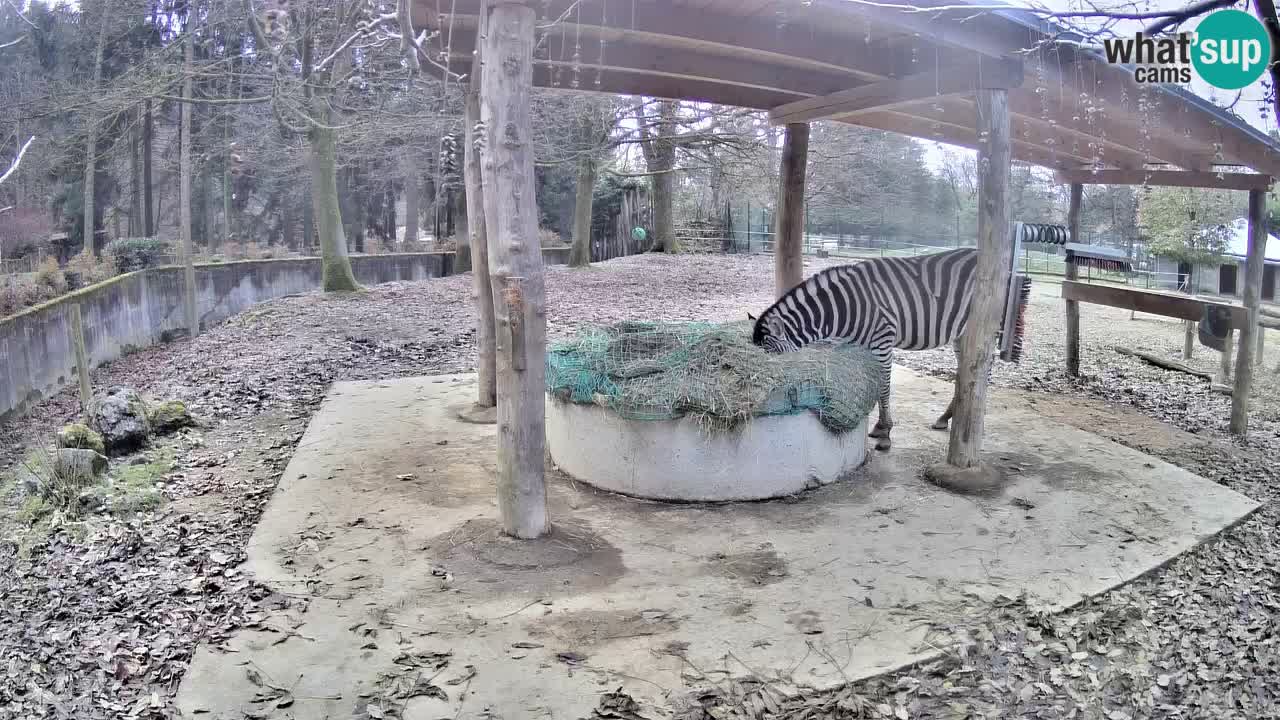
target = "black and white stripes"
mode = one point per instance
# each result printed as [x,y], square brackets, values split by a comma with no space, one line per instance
[916,303]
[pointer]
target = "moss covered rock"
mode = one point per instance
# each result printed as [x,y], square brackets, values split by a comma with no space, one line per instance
[81,437]
[120,416]
[170,416]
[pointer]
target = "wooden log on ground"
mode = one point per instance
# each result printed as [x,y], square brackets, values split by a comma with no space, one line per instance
[1165,364]
[515,266]
[1252,298]
[789,254]
[977,345]
[1073,273]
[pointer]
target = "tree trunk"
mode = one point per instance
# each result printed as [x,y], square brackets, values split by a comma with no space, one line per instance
[659,148]
[1252,304]
[478,239]
[978,342]
[337,275]
[788,254]
[184,189]
[91,145]
[664,224]
[308,222]
[228,217]
[389,217]
[148,207]
[511,212]
[135,184]
[459,232]
[412,196]
[208,193]
[1073,273]
[580,254]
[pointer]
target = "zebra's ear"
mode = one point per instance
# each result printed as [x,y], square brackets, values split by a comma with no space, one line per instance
[750,316]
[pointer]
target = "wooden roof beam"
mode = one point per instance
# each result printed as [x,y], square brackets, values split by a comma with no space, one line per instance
[909,90]
[626,56]
[953,133]
[1168,178]
[962,29]
[1055,140]
[665,24]
[1063,109]
[615,81]
[1176,122]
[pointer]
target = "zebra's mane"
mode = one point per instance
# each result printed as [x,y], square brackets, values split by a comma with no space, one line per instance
[811,283]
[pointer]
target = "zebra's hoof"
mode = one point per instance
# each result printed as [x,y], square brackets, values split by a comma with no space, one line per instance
[941,425]
[879,431]
[883,444]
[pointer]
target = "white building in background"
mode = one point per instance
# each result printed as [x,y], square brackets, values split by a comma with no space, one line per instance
[1228,278]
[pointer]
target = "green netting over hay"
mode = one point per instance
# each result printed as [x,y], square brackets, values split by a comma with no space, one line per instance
[660,371]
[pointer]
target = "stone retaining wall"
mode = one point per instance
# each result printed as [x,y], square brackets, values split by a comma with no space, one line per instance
[143,308]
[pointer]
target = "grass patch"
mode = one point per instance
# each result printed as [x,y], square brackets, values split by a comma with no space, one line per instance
[134,489]
[29,519]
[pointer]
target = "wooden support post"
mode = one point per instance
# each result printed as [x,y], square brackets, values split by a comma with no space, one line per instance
[1073,273]
[978,343]
[788,255]
[1223,377]
[1252,304]
[487,393]
[515,265]
[75,330]
[184,189]
[1262,345]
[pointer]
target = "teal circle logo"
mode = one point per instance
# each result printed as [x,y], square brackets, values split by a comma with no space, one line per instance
[1232,49]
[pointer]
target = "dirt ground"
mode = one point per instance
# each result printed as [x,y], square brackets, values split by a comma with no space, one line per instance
[101,619]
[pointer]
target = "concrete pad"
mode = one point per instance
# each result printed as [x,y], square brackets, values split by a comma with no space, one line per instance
[383,530]
[678,459]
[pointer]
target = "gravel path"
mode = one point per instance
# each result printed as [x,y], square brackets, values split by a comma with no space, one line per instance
[1196,639]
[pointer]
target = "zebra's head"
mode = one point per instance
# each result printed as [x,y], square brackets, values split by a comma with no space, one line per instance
[770,333]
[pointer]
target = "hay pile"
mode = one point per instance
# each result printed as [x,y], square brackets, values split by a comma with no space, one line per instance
[660,371]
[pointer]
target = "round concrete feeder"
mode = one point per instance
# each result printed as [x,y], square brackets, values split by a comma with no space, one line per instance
[769,457]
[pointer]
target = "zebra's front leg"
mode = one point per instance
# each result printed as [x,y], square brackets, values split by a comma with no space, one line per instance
[944,421]
[884,424]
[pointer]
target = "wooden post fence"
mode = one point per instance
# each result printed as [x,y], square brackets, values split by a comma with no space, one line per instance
[977,346]
[1252,304]
[515,258]
[1072,273]
[75,329]
[788,255]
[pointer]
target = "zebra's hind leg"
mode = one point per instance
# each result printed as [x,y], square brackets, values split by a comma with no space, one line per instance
[944,421]
[884,424]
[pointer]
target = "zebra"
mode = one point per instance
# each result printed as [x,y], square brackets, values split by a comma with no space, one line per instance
[915,303]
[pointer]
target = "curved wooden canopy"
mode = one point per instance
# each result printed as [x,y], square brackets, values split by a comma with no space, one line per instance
[881,66]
